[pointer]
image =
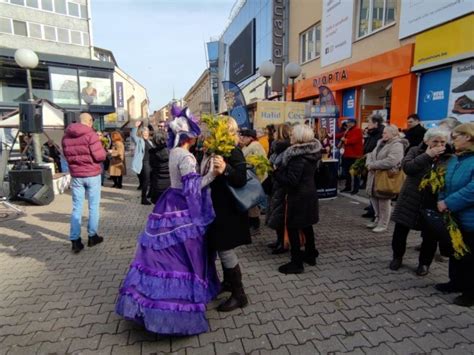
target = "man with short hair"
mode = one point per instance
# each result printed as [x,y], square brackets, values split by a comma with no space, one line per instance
[84,154]
[415,131]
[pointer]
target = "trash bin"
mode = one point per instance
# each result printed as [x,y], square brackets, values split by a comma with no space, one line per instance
[326,179]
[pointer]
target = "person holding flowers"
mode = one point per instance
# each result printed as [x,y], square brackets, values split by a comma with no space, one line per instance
[416,194]
[457,200]
[230,228]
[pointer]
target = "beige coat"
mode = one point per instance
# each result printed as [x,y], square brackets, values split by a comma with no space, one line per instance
[386,156]
[117,162]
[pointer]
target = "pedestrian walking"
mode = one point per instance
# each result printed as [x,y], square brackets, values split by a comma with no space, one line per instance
[117,160]
[84,154]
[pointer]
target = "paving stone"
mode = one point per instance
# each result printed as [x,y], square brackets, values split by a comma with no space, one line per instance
[60,347]
[232,347]
[333,317]
[282,350]
[267,328]
[307,334]
[88,343]
[405,346]
[80,332]
[241,320]
[126,350]
[140,335]
[21,340]
[108,328]
[162,345]
[378,350]
[26,350]
[329,345]
[257,343]
[328,331]
[212,337]
[467,333]
[237,333]
[282,339]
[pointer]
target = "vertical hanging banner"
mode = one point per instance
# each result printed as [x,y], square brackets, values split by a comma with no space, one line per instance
[278,30]
[235,102]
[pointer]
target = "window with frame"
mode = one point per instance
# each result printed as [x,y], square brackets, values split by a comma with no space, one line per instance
[310,43]
[73,9]
[85,38]
[47,5]
[32,3]
[63,35]
[18,2]
[374,15]
[49,33]
[19,28]
[60,7]
[5,25]
[76,37]
[34,30]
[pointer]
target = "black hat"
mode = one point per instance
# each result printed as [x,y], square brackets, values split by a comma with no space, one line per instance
[246,132]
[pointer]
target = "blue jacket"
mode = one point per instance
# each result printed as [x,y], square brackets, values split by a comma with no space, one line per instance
[459,189]
[137,161]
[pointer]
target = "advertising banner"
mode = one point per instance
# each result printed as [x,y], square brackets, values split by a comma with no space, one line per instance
[419,15]
[95,88]
[119,93]
[336,39]
[295,112]
[65,86]
[278,31]
[445,42]
[242,55]
[236,106]
[461,97]
[348,103]
[269,112]
[433,95]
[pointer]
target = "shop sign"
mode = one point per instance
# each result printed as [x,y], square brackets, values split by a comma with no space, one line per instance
[419,15]
[445,42]
[295,112]
[461,91]
[330,78]
[278,28]
[336,34]
[269,112]
[119,93]
[348,100]
[433,94]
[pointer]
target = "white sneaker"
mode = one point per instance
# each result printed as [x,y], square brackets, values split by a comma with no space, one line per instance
[379,229]
[372,224]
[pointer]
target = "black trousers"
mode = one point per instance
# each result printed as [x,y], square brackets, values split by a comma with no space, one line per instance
[145,179]
[295,245]
[399,244]
[346,166]
[460,271]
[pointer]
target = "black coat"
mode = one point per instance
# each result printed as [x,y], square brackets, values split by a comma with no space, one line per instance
[373,136]
[415,135]
[160,173]
[230,228]
[416,165]
[296,176]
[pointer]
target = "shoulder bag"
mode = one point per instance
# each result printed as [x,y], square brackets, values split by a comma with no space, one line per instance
[389,182]
[249,195]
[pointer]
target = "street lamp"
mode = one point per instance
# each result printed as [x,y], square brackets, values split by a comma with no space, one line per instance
[27,59]
[292,71]
[267,69]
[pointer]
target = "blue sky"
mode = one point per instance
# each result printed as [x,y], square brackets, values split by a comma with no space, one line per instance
[160,43]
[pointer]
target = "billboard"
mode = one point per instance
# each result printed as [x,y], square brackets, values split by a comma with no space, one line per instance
[64,86]
[336,38]
[461,96]
[419,15]
[242,55]
[95,88]
[433,94]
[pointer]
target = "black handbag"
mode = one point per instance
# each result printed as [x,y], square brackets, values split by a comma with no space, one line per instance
[249,195]
[434,222]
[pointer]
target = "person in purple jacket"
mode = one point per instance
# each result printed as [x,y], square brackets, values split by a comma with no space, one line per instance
[84,154]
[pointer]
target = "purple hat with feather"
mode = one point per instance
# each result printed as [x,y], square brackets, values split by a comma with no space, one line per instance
[183,126]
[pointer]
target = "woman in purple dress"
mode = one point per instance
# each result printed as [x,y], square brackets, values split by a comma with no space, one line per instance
[172,277]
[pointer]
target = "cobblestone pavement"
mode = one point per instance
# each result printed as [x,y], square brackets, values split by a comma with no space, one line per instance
[54,302]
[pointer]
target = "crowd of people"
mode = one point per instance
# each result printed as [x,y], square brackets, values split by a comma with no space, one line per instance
[195,219]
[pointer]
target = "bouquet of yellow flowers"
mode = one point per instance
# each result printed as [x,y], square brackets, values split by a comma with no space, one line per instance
[358,168]
[435,181]
[260,163]
[219,141]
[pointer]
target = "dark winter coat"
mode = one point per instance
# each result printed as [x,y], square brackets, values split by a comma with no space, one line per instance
[296,176]
[275,217]
[83,150]
[415,135]
[160,172]
[230,228]
[373,136]
[411,200]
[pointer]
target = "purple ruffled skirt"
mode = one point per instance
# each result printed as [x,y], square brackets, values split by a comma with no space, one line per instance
[172,277]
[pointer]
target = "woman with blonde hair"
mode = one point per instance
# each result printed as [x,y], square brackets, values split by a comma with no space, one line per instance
[230,228]
[458,198]
[387,155]
[117,161]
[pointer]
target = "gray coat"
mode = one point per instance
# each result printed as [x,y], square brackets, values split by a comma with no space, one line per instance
[386,156]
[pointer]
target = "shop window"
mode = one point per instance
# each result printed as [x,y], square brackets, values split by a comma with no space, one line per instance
[73,9]
[76,37]
[5,25]
[34,30]
[47,5]
[49,33]
[374,15]
[32,3]
[310,44]
[63,35]
[60,7]
[19,28]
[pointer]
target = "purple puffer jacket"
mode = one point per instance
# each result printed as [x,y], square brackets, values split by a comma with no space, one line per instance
[83,151]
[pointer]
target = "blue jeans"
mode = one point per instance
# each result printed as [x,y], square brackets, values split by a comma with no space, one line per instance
[85,187]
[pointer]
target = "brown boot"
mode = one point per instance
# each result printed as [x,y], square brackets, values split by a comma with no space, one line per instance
[225,284]
[238,298]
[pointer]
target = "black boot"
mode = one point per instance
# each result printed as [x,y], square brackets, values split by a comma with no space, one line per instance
[238,298]
[114,179]
[77,245]
[309,257]
[119,182]
[94,240]
[292,267]
[225,284]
